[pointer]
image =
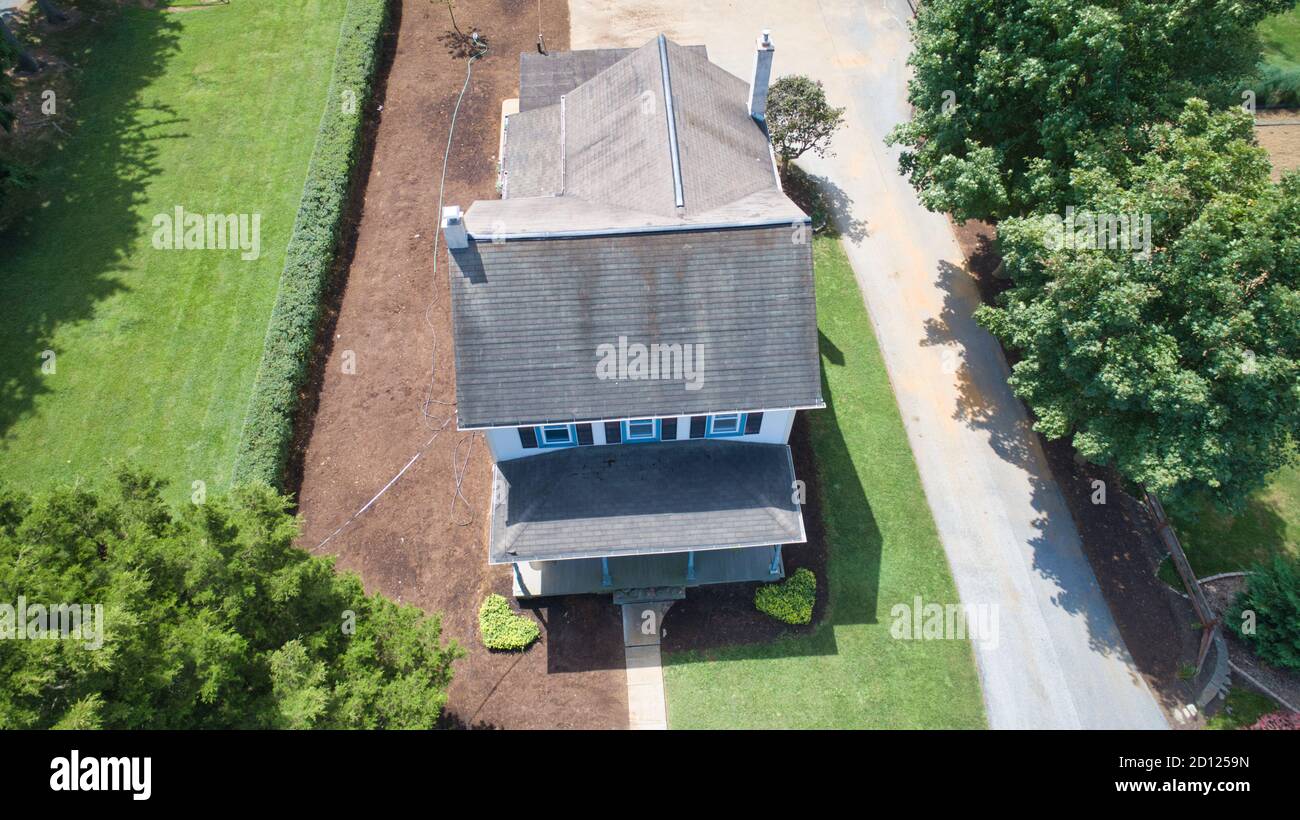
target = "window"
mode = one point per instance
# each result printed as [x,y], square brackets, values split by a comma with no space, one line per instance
[613,432]
[641,430]
[584,435]
[698,424]
[753,424]
[668,429]
[556,435]
[728,424]
[527,438]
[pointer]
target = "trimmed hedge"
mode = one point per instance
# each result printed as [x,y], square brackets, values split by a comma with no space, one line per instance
[268,426]
[791,600]
[501,628]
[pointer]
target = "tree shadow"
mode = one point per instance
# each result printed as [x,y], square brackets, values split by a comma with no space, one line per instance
[826,203]
[83,199]
[1112,539]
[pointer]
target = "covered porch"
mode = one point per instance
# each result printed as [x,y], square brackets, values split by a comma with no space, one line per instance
[644,572]
[606,519]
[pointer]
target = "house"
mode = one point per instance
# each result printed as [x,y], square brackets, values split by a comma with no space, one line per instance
[635,327]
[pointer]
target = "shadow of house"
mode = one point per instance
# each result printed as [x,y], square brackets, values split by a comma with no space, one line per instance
[85,194]
[847,564]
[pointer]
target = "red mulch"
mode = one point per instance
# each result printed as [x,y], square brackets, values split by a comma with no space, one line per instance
[419,543]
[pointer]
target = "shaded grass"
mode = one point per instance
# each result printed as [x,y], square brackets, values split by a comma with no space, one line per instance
[1270,525]
[883,550]
[215,111]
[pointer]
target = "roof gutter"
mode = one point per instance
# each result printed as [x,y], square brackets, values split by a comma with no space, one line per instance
[642,229]
[821,405]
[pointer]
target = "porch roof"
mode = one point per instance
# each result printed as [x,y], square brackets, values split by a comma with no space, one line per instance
[643,499]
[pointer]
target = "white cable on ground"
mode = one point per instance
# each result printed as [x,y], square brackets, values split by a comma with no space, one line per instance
[459,469]
[368,504]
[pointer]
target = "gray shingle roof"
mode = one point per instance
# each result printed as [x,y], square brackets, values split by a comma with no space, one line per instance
[544,77]
[641,499]
[532,163]
[529,317]
[608,148]
[532,303]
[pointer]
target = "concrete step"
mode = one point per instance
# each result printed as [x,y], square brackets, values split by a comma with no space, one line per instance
[643,622]
[648,595]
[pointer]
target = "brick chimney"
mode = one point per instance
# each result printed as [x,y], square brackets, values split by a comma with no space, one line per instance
[453,228]
[762,77]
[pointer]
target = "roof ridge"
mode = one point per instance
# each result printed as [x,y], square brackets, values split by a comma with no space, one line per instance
[673,150]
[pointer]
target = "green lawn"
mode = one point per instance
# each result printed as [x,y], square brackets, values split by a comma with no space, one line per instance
[213,110]
[1247,708]
[1281,38]
[884,550]
[1270,524]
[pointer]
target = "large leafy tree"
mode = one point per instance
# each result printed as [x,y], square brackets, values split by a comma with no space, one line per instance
[1010,95]
[211,618]
[1180,366]
[9,169]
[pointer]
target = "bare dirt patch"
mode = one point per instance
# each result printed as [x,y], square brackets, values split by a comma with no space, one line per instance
[1278,132]
[423,542]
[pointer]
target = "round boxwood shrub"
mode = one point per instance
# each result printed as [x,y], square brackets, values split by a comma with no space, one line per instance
[791,600]
[500,628]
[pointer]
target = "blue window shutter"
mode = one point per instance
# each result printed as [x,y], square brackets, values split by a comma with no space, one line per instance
[584,435]
[668,430]
[753,423]
[613,432]
[697,426]
[528,438]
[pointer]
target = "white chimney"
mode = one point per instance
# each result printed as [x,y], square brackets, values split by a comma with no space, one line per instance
[762,77]
[453,228]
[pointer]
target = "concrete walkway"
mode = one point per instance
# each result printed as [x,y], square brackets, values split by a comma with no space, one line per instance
[646,707]
[642,625]
[1060,661]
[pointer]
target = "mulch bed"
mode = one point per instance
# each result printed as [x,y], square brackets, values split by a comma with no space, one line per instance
[1119,540]
[422,542]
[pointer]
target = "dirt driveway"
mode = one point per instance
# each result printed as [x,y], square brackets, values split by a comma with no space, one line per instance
[423,542]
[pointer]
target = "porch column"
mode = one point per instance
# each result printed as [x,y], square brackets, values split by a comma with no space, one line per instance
[690,565]
[776,560]
[605,580]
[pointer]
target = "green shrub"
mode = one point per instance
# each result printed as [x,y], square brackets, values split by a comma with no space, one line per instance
[791,600]
[211,618]
[1278,85]
[500,628]
[268,427]
[1273,595]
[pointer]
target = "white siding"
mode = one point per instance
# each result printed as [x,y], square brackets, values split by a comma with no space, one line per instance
[504,441]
